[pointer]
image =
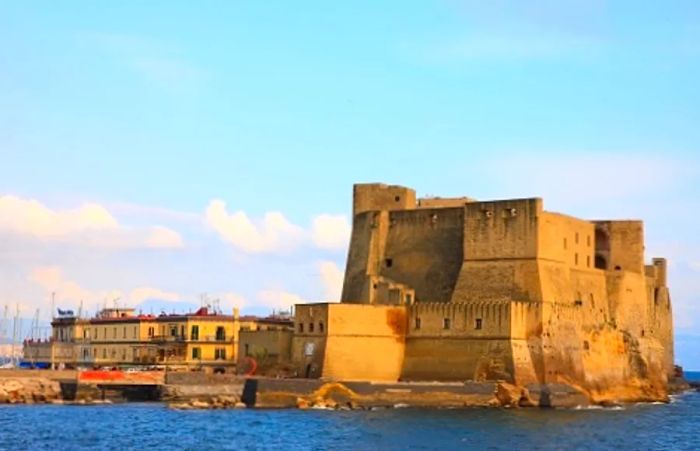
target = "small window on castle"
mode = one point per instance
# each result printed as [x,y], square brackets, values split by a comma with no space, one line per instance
[446,323]
[576,237]
[588,261]
[618,268]
[417,324]
[311,327]
[588,240]
[389,262]
[301,328]
[586,346]
[478,324]
[576,259]
[565,244]
[320,326]
[397,198]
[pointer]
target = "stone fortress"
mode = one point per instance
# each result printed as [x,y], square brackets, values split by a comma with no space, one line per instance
[456,289]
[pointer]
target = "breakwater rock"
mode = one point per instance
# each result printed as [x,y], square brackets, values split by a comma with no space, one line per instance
[29,390]
[303,394]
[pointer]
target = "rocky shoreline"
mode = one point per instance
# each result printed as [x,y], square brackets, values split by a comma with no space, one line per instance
[191,391]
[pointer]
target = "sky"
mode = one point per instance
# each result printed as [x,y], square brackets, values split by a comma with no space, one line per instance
[163,152]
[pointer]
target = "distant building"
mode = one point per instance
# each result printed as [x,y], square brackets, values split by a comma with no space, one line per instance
[120,337]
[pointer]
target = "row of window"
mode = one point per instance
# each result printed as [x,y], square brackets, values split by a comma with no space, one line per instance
[447,323]
[576,240]
[219,353]
[96,351]
[174,332]
[96,333]
[588,260]
[312,327]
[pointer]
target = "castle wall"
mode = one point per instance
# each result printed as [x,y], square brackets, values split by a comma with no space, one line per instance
[566,239]
[500,247]
[358,342]
[423,250]
[621,245]
[458,342]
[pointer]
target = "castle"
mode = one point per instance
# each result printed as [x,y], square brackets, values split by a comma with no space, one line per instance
[454,289]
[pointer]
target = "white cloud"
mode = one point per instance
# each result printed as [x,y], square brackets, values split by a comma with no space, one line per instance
[32,217]
[331,231]
[274,233]
[332,278]
[278,299]
[162,237]
[90,224]
[69,293]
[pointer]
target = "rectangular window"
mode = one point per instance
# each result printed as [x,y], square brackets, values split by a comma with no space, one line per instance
[194,334]
[247,349]
[588,261]
[446,323]
[220,333]
[409,299]
[576,237]
[220,354]
[151,331]
[301,328]
[135,332]
[564,243]
[477,324]
[320,326]
[588,240]
[124,332]
[389,262]
[311,327]
[196,353]
[576,259]
[114,333]
[417,325]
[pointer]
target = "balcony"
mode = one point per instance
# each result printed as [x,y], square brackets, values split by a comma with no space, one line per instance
[169,338]
[184,338]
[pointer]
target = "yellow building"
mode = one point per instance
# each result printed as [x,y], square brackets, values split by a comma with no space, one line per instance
[120,337]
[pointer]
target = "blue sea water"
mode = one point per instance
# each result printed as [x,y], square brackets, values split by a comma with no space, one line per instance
[154,426]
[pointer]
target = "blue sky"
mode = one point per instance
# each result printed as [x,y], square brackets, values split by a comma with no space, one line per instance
[215,144]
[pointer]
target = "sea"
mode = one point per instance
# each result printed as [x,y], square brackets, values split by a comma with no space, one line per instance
[672,426]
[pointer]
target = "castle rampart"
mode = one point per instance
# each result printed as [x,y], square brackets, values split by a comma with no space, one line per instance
[507,290]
